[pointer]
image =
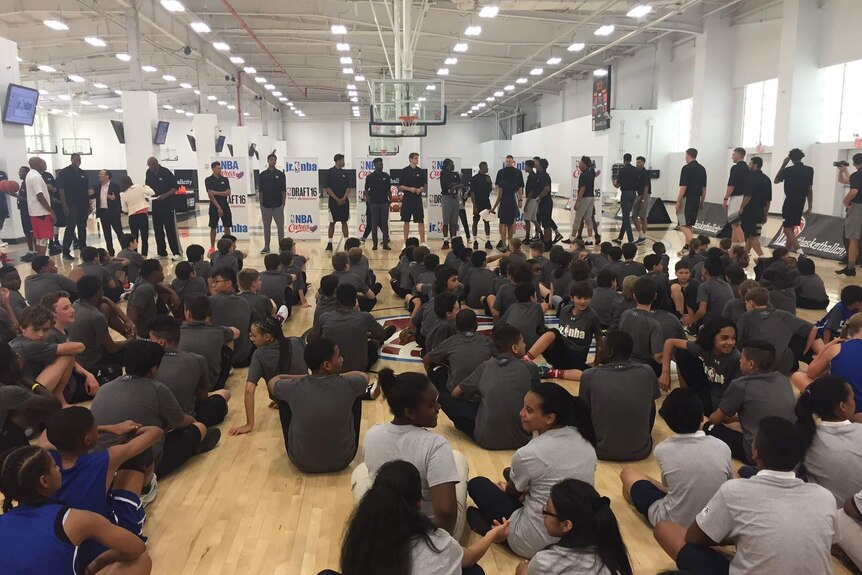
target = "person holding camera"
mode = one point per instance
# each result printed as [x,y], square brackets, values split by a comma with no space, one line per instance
[450,188]
[798,185]
[853,218]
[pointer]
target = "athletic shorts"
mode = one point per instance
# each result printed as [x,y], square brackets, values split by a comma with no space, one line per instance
[853,222]
[644,493]
[751,225]
[531,208]
[702,560]
[585,213]
[25,218]
[412,209]
[127,511]
[545,212]
[226,218]
[562,356]
[43,227]
[690,209]
[450,212]
[791,211]
[211,411]
[733,205]
[479,204]
[507,212]
[641,207]
[339,213]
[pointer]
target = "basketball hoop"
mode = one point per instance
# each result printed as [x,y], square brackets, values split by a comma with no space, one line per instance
[409,120]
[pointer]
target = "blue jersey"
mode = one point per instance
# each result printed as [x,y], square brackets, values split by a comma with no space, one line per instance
[848,364]
[835,319]
[84,484]
[32,541]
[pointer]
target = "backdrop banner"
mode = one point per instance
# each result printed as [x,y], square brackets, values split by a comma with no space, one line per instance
[434,208]
[656,212]
[364,167]
[711,220]
[235,169]
[818,235]
[303,198]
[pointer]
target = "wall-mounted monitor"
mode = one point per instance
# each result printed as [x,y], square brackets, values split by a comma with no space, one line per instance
[219,144]
[20,107]
[119,130]
[161,134]
[192,142]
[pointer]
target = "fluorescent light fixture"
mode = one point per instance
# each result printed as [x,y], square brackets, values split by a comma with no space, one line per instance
[65,97]
[168,78]
[95,41]
[221,46]
[221,103]
[342,47]
[354,99]
[178,111]
[75,78]
[463,114]
[103,107]
[576,47]
[100,86]
[19,58]
[246,114]
[422,99]
[197,92]
[346,60]
[605,30]
[469,111]
[639,11]
[43,92]
[431,87]
[521,81]
[351,86]
[148,68]
[282,99]
[185,85]
[488,12]
[509,87]
[117,110]
[288,102]
[260,80]
[237,60]
[211,98]
[297,112]
[167,107]
[86,103]
[460,47]
[481,104]
[46,68]
[231,107]
[600,72]
[249,70]
[124,57]
[450,61]
[359,78]
[190,114]
[269,87]
[200,27]
[118,92]
[55,25]
[536,72]
[490,99]
[347,70]
[554,60]
[338,29]
[474,107]
[473,31]
[173,6]
[498,94]
[277,94]
[443,72]
[352,93]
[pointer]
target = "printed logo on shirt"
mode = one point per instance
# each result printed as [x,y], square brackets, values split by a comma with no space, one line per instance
[573,332]
[713,375]
[301,223]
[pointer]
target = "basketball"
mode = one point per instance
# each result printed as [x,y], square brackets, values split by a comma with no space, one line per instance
[9,186]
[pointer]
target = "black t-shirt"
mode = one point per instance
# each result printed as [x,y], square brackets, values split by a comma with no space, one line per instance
[643,181]
[510,180]
[337,181]
[759,189]
[531,187]
[480,186]
[377,187]
[738,177]
[448,179]
[543,181]
[75,186]
[271,185]
[693,177]
[48,178]
[628,177]
[218,184]
[162,181]
[587,180]
[797,179]
[856,184]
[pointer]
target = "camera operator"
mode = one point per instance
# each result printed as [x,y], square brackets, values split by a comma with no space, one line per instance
[853,218]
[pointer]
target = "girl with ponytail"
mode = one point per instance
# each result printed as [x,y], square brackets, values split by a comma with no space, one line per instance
[274,354]
[389,535]
[834,443]
[563,449]
[590,540]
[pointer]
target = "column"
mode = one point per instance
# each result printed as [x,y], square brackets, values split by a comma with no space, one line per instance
[204,126]
[713,109]
[347,142]
[140,116]
[12,140]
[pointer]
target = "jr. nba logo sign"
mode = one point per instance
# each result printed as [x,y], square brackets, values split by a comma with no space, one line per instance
[297,166]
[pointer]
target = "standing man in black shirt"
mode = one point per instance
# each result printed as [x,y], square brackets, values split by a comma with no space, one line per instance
[336,188]
[557,235]
[412,185]
[755,205]
[692,188]
[377,193]
[218,190]
[164,184]
[450,188]
[798,185]
[480,191]
[584,206]
[853,219]
[544,199]
[531,205]
[273,192]
[510,195]
[736,183]
[74,197]
[640,211]
[627,182]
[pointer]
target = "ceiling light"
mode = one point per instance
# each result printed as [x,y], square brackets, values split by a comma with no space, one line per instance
[231,107]
[200,27]
[473,31]
[460,47]
[86,103]
[246,114]
[43,92]
[95,41]
[351,86]
[359,78]
[289,103]
[118,110]
[639,11]
[173,6]
[347,70]
[260,80]
[474,108]
[46,68]
[352,93]
[490,99]
[342,47]
[269,87]
[211,98]
[451,61]
[149,68]
[431,87]
[600,72]
[346,60]
[536,72]
[576,47]
[103,107]
[297,112]
[498,94]
[221,103]
[75,78]
[19,58]
[521,81]
[55,25]
[237,60]
[100,86]
[488,12]
[282,99]
[422,99]
[249,70]
[168,78]
[124,57]
[221,46]
[167,107]
[481,104]
[185,85]
[443,72]
[554,60]
[509,87]
[178,111]
[277,94]
[118,92]
[197,92]
[338,29]
[463,114]
[605,30]
[354,99]
[191,114]
[65,97]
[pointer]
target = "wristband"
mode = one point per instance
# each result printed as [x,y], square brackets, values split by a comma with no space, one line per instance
[35,385]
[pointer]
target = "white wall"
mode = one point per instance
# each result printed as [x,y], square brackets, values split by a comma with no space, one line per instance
[757,50]
[682,60]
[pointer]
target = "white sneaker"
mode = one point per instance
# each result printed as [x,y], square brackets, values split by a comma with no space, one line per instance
[150,496]
[176,257]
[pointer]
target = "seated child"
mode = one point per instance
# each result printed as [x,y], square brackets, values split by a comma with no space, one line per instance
[195,255]
[360,266]
[425,280]
[367,298]
[20,408]
[45,280]
[10,280]
[734,274]
[781,292]
[249,289]
[325,297]
[187,283]
[629,267]
[479,281]
[452,360]
[424,320]
[229,308]
[129,252]
[224,256]
[290,266]
[400,281]
[645,331]
[83,384]
[831,325]
[605,297]
[527,316]
[626,302]
[736,308]
[445,308]
[661,250]
[712,294]
[198,335]
[275,284]
[657,272]
[683,290]
[498,303]
[810,291]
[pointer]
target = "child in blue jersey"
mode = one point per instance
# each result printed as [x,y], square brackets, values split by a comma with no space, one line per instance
[105,482]
[833,322]
[40,535]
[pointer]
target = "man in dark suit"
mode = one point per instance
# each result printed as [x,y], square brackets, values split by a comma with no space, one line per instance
[107,196]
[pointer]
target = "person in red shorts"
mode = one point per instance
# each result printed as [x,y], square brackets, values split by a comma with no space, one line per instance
[39,205]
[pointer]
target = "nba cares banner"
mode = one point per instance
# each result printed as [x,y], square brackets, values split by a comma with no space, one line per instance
[434,212]
[302,205]
[236,171]
[364,167]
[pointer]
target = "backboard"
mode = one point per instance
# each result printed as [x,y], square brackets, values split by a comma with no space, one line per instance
[40,144]
[384,146]
[79,146]
[397,131]
[420,100]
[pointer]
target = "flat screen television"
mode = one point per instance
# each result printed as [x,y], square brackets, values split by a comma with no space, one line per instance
[192,142]
[20,107]
[219,144]
[119,130]
[161,133]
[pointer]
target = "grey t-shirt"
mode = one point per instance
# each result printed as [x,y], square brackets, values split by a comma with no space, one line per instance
[716,293]
[321,402]
[559,453]
[206,340]
[505,297]
[187,288]
[18,303]
[429,452]
[734,310]
[324,304]
[558,560]
[144,297]
[779,524]
[617,392]
[227,260]
[777,327]
[233,310]
[629,268]
[463,353]
[720,370]
[671,328]
[441,331]
[184,373]
[350,329]
[834,459]
[90,328]
[444,559]
[264,361]
[42,284]
[693,467]
[811,288]
[97,271]
[272,284]
[12,398]
[646,333]
[603,303]
[350,278]
[203,269]
[500,385]
[481,283]
[783,299]
[755,396]
[133,270]
[260,305]
[529,318]
[36,354]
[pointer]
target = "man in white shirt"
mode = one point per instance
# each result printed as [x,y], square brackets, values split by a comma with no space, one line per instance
[39,205]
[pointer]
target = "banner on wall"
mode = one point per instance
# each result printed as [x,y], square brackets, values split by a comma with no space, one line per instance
[364,167]
[434,207]
[818,235]
[302,205]
[235,169]
[597,190]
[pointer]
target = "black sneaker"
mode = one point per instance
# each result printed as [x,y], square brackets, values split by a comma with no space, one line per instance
[329,247]
[507,472]
[476,246]
[265,250]
[445,245]
[477,521]
[848,271]
[387,247]
[489,246]
[500,245]
[374,247]
[568,241]
[29,257]
[389,330]
[55,249]
[557,237]
[211,439]
[68,256]
[617,241]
